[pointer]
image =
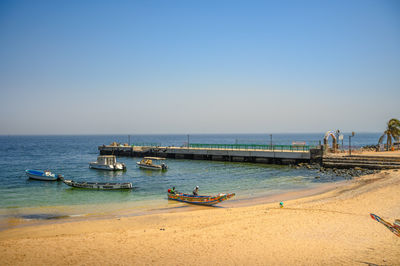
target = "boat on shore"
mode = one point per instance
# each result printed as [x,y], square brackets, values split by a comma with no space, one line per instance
[200,200]
[147,163]
[107,162]
[42,175]
[395,227]
[97,185]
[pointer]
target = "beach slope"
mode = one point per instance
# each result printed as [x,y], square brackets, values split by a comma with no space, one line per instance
[329,228]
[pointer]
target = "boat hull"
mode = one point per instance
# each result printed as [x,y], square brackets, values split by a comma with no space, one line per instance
[150,167]
[117,167]
[98,186]
[40,175]
[200,200]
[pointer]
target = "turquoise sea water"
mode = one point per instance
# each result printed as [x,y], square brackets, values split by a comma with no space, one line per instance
[70,155]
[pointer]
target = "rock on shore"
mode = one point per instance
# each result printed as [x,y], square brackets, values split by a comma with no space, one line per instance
[345,173]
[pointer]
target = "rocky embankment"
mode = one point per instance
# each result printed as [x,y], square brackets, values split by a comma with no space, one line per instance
[347,173]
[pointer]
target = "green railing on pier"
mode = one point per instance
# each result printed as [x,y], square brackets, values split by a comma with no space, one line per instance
[151,144]
[238,146]
[253,147]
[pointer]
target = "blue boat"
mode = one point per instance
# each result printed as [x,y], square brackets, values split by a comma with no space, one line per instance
[42,175]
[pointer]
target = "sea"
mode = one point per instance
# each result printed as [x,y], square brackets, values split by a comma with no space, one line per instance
[70,155]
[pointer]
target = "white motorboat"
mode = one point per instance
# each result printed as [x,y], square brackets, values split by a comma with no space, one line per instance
[107,162]
[147,163]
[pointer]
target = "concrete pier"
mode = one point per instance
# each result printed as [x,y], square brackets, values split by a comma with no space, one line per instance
[222,154]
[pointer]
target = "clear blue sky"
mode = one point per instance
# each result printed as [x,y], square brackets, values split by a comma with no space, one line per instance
[132,67]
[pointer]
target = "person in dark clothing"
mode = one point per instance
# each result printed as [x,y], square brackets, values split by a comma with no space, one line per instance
[196,191]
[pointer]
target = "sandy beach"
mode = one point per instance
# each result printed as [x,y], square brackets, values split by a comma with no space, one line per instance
[284,114]
[333,227]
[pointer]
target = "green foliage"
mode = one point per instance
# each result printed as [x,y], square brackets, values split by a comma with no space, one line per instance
[392,132]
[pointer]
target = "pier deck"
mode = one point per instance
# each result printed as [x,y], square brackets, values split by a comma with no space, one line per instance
[280,156]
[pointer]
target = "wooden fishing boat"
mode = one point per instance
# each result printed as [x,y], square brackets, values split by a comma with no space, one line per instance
[147,163]
[96,185]
[201,200]
[107,162]
[42,175]
[395,227]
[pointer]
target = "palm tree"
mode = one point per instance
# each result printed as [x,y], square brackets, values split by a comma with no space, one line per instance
[392,131]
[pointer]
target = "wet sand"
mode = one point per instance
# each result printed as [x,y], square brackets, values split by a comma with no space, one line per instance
[332,226]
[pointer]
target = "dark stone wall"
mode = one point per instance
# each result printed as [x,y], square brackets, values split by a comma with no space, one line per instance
[316,155]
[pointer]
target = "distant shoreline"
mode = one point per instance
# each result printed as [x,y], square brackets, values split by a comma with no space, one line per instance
[174,134]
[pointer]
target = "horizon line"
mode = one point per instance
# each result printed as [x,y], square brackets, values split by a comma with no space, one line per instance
[160,134]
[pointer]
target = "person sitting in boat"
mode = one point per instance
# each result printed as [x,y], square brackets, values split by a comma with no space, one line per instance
[172,191]
[196,191]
